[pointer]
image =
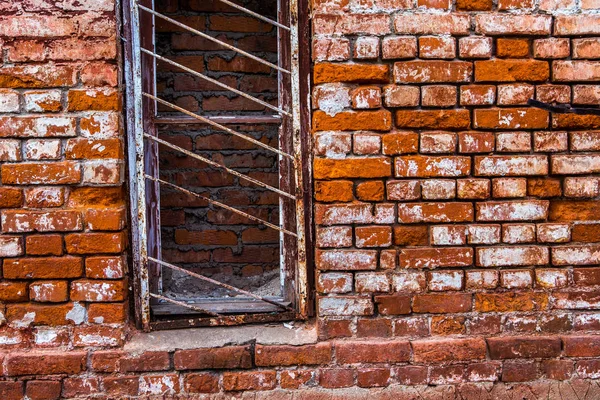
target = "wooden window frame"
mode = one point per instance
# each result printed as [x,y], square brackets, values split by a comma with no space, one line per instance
[140,77]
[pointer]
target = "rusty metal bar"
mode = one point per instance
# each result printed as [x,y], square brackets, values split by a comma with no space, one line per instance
[217,125]
[301,273]
[208,37]
[217,165]
[221,119]
[219,204]
[224,285]
[255,15]
[216,82]
[181,303]
[135,118]
[563,108]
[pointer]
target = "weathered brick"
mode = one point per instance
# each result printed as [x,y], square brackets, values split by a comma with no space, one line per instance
[266,356]
[436,351]
[43,363]
[524,347]
[372,352]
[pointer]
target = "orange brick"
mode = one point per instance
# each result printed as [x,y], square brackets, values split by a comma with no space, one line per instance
[360,73]
[511,70]
[49,291]
[93,100]
[54,173]
[374,167]
[90,243]
[380,120]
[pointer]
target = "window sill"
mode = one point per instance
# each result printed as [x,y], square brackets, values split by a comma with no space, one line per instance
[270,334]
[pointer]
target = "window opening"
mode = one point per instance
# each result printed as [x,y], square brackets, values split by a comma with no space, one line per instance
[217,161]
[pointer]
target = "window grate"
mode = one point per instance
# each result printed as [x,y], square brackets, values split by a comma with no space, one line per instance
[145,182]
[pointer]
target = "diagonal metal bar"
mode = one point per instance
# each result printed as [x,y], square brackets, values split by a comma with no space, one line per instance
[183,304]
[225,206]
[226,286]
[255,15]
[208,37]
[217,125]
[216,82]
[217,165]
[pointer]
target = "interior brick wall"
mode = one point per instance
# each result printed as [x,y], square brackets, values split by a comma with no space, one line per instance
[456,228]
[205,238]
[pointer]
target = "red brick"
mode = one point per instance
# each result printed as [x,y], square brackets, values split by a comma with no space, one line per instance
[66,172]
[121,385]
[442,325]
[372,352]
[373,167]
[436,257]
[90,243]
[442,350]
[97,290]
[213,358]
[255,380]
[557,369]
[146,361]
[502,302]
[336,378]
[442,303]
[44,363]
[266,356]
[346,260]
[295,378]
[49,291]
[331,191]
[581,346]
[400,143]
[435,212]
[380,120]
[106,360]
[519,371]
[510,24]
[411,375]
[13,391]
[432,166]
[111,313]
[432,71]
[432,24]
[393,304]
[41,221]
[482,372]
[359,73]
[331,329]
[164,384]
[373,328]
[11,292]
[371,24]
[43,390]
[43,268]
[104,267]
[373,377]
[73,387]
[524,347]
[447,374]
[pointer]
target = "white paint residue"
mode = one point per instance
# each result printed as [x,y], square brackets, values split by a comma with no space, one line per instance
[24,322]
[77,314]
[45,336]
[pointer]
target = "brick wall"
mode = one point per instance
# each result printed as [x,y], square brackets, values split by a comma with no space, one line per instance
[205,238]
[456,227]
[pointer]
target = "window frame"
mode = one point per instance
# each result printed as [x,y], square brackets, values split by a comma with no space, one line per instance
[140,76]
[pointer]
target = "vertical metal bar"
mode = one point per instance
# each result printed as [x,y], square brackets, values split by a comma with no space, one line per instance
[301,274]
[287,209]
[137,187]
